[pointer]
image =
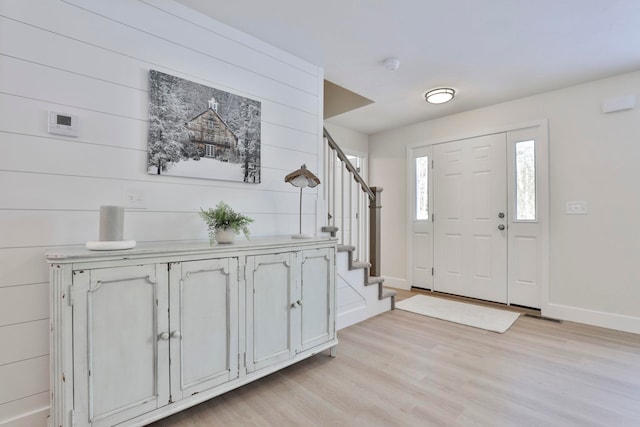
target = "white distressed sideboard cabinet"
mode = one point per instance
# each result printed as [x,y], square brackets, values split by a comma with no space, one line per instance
[140,334]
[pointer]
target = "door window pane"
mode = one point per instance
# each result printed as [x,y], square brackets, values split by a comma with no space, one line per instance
[525,181]
[422,188]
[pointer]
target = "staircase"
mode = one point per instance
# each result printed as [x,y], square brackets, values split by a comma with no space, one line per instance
[360,295]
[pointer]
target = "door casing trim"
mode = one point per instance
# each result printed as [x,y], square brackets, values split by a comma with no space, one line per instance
[543,187]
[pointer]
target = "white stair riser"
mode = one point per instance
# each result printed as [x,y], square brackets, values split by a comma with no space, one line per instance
[342,267]
[356,315]
[355,301]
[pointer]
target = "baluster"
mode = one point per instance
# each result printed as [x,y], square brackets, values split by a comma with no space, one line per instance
[350,209]
[335,191]
[358,225]
[342,170]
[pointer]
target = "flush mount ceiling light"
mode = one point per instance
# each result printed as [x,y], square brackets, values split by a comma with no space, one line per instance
[439,95]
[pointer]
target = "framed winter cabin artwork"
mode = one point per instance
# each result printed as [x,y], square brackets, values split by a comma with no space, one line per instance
[198,131]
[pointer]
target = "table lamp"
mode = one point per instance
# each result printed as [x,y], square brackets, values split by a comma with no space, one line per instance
[302,178]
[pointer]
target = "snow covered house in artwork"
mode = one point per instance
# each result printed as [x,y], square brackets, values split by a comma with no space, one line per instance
[211,134]
[202,132]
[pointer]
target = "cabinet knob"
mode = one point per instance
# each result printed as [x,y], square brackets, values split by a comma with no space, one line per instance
[293,305]
[164,336]
[299,303]
[176,334]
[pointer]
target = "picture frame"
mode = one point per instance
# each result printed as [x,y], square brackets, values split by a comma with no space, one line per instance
[197,131]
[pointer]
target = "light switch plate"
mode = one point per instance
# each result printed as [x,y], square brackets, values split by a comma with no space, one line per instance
[577,208]
[135,198]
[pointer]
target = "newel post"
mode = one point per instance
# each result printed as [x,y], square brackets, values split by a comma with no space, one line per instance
[375,207]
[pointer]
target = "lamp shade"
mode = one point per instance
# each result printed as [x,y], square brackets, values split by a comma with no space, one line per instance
[302,178]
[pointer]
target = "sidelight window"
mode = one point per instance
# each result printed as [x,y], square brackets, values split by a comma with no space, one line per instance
[422,188]
[525,180]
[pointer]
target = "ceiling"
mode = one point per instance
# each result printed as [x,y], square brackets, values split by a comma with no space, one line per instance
[489,51]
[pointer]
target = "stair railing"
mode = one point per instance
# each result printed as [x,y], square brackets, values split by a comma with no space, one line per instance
[347,195]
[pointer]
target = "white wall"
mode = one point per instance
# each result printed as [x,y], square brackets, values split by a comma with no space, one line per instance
[594,157]
[92,58]
[349,140]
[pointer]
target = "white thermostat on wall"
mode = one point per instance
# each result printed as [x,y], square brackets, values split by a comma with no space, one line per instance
[63,124]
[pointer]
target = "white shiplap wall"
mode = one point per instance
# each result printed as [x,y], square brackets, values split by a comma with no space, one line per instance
[92,58]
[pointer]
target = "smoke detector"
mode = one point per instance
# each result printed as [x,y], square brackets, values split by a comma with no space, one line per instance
[391,64]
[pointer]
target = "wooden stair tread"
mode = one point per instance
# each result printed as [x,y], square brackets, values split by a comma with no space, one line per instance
[359,264]
[368,280]
[388,293]
[374,280]
[331,229]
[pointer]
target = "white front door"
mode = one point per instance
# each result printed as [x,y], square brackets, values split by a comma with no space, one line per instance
[421,260]
[470,205]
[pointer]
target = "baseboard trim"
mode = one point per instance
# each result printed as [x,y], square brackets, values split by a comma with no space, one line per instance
[356,315]
[602,319]
[395,282]
[35,418]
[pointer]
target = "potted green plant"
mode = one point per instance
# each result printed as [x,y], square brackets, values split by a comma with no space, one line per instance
[223,223]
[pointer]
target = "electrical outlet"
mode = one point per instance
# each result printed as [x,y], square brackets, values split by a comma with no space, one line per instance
[136,199]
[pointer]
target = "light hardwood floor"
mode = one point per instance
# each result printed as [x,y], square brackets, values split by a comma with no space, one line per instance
[403,369]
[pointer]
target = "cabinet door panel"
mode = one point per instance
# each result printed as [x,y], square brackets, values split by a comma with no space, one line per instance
[271,307]
[317,297]
[120,313]
[204,311]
